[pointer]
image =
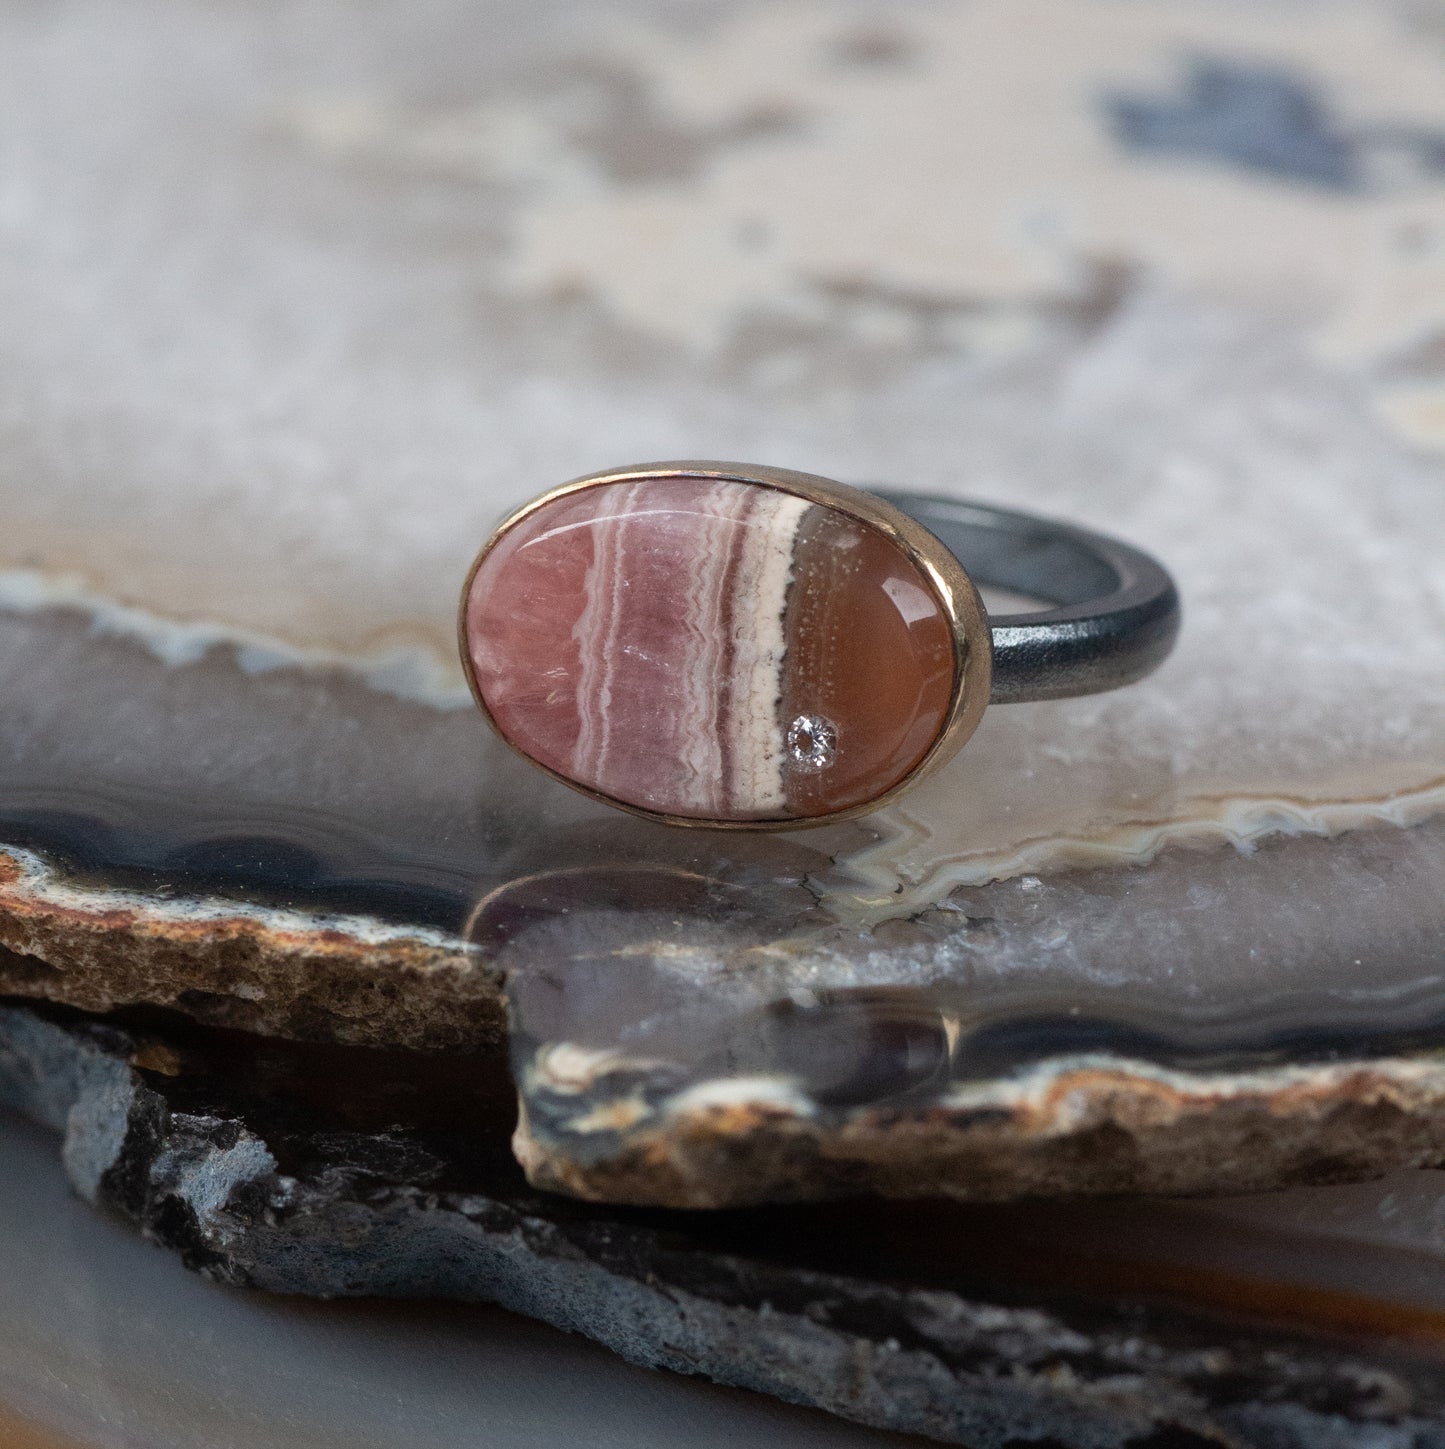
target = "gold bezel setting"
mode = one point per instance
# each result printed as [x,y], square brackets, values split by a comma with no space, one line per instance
[953,589]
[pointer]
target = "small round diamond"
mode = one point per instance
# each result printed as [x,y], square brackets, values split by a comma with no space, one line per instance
[812,742]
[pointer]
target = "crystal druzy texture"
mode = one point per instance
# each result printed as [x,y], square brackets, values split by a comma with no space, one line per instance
[710,648]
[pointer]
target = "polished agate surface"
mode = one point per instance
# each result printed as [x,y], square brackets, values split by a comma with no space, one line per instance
[711,648]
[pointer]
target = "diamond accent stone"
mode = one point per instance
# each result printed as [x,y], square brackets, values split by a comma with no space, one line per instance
[812,742]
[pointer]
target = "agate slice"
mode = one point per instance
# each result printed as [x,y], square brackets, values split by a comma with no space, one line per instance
[1309,1319]
[710,648]
[242,775]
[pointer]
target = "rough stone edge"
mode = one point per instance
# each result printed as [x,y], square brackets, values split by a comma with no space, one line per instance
[208,1187]
[311,976]
[1084,1124]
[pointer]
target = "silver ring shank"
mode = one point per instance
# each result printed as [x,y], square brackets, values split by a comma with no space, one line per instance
[1114,611]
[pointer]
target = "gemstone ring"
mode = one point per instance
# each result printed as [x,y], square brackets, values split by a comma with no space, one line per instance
[743,647]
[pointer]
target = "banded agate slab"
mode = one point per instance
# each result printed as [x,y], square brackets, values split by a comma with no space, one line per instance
[710,648]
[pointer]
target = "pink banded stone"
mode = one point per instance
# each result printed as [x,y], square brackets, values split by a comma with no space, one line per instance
[710,649]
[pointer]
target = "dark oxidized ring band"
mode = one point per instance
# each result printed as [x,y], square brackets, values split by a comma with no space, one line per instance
[740,647]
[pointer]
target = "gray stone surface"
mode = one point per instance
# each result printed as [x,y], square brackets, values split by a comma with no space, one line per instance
[108,1342]
[270,1167]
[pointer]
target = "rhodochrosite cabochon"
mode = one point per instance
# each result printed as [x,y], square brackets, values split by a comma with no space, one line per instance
[710,648]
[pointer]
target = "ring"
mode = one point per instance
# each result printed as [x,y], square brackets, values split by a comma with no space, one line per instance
[740,647]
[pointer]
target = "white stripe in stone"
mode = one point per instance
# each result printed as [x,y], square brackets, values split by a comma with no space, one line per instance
[594,631]
[704,645]
[760,596]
